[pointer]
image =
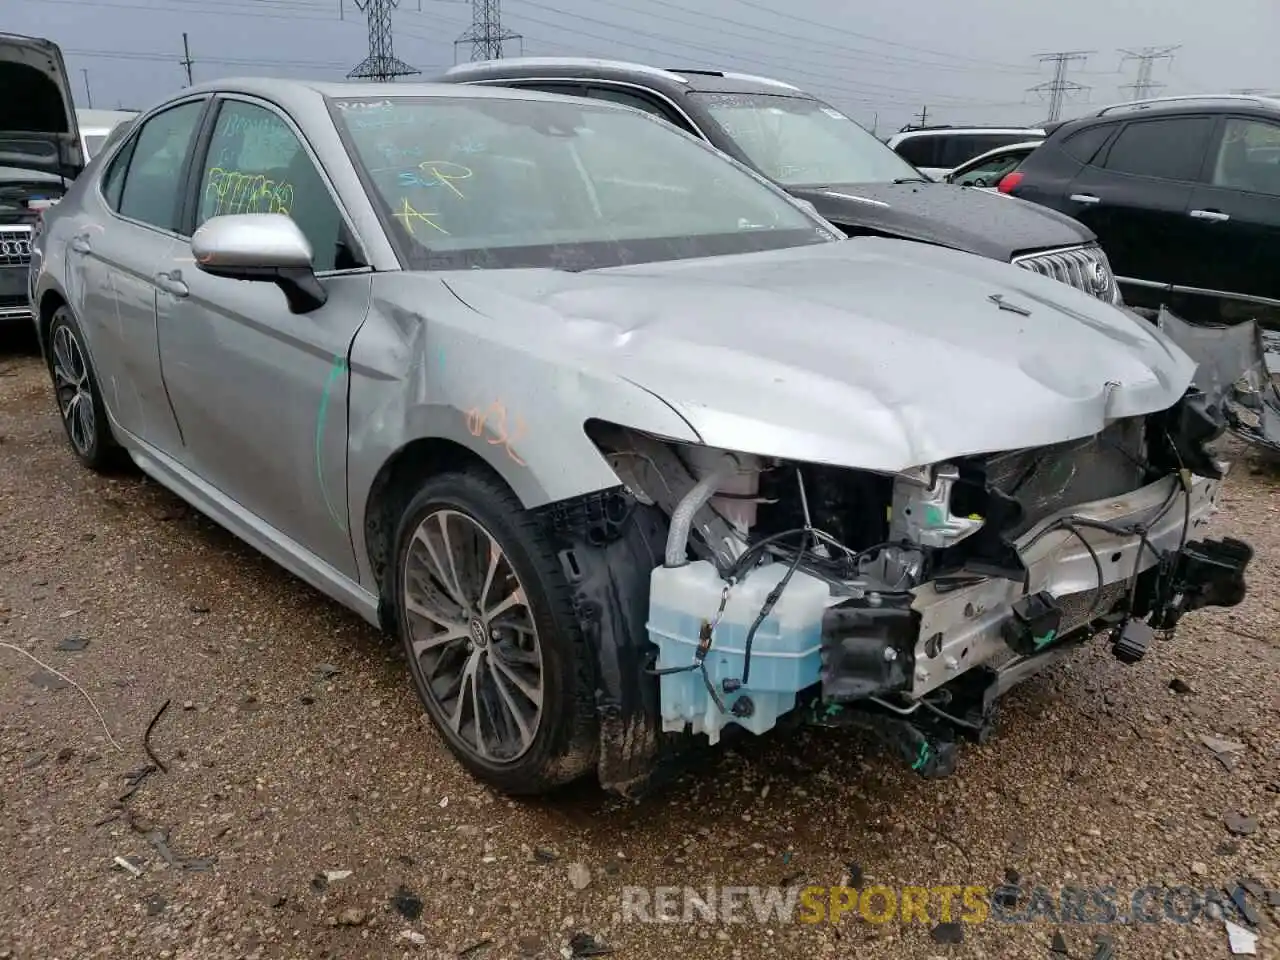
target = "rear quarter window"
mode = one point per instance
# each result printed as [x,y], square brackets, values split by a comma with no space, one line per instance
[919,151]
[1083,145]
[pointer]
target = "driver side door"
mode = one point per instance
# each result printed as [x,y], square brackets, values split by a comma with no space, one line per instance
[259,391]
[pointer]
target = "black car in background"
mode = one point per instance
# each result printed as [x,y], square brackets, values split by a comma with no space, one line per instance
[817,154]
[1183,192]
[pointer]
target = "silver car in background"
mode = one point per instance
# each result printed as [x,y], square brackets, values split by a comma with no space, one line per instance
[625,444]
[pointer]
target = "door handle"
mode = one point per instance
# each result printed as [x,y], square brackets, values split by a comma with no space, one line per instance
[171,282]
[80,244]
[1085,198]
[1216,216]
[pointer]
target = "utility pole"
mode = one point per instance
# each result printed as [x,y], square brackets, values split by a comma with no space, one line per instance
[186,58]
[485,33]
[381,64]
[88,94]
[923,115]
[1144,86]
[1059,87]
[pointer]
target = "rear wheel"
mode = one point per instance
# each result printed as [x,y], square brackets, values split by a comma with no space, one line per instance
[488,627]
[84,416]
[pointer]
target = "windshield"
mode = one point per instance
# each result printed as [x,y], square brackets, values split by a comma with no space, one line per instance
[801,141]
[489,182]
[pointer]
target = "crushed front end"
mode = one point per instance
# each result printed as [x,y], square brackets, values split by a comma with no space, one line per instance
[908,604]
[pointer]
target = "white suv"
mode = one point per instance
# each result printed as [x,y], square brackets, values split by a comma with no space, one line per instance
[935,151]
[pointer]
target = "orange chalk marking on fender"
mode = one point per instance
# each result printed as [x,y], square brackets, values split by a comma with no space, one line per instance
[496,417]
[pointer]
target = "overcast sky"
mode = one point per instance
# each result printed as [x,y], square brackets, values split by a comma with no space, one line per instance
[879,60]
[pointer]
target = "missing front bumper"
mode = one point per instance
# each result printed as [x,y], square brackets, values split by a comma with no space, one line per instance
[918,673]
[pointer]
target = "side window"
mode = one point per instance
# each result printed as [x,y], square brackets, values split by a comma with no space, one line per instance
[255,164]
[1248,157]
[153,183]
[113,179]
[1170,149]
[1085,144]
[560,87]
[990,172]
[628,98]
[919,151]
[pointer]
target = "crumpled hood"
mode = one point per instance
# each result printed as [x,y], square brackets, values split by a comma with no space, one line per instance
[871,353]
[989,224]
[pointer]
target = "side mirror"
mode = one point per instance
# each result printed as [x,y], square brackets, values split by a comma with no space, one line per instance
[263,247]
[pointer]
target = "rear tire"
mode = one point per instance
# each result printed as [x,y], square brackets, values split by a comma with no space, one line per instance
[484,611]
[79,399]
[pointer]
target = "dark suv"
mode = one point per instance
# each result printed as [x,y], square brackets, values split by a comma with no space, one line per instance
[819,155]
[1183,192]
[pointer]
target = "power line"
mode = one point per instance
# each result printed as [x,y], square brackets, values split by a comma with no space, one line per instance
[381,64]
[1144,86]
[1060,87]
[861,58]
[88,94]
[716,55]
[827,27]
[485,33]
[130,55]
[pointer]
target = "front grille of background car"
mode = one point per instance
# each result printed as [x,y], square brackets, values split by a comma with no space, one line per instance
[1085,268]
[15,246]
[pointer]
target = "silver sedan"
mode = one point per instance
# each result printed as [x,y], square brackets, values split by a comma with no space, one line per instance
[602,424]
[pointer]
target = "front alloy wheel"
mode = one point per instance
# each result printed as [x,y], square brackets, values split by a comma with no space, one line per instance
[472,636]
[489,628]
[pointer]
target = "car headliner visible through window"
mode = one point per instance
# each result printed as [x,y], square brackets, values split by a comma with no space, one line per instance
[498,182]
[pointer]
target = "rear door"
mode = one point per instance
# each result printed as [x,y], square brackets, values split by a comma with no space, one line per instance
[129,231]
[260,391]
[1136,194]
[1234,220]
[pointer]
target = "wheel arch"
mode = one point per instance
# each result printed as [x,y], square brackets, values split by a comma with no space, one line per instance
[48,304]
[394,485]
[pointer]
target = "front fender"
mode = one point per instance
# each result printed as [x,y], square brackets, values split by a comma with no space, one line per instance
[415,379]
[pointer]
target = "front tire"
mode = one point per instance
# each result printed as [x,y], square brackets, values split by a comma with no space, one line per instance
[75,387]
[494,648]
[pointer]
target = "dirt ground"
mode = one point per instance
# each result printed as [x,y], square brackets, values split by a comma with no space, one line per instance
[295,751]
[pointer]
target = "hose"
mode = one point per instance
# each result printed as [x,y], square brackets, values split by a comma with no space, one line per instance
[688,507]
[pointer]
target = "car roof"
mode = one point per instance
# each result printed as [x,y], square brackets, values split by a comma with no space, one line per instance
[1188,102]
[947,131]
[673,80]
[1265,107]
[301,94]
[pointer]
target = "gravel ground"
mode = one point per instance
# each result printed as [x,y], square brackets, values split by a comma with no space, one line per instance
[294,748]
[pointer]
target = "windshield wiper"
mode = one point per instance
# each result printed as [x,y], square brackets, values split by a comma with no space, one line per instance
[912,180]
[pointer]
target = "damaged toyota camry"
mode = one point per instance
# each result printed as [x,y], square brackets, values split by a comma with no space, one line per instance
[624,474]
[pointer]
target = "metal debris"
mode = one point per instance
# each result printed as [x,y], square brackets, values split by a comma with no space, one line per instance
[585,945]
[128,866]
[1240,824]
[1243,943]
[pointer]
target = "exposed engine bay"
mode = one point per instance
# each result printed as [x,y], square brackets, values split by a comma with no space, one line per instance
[908,604]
